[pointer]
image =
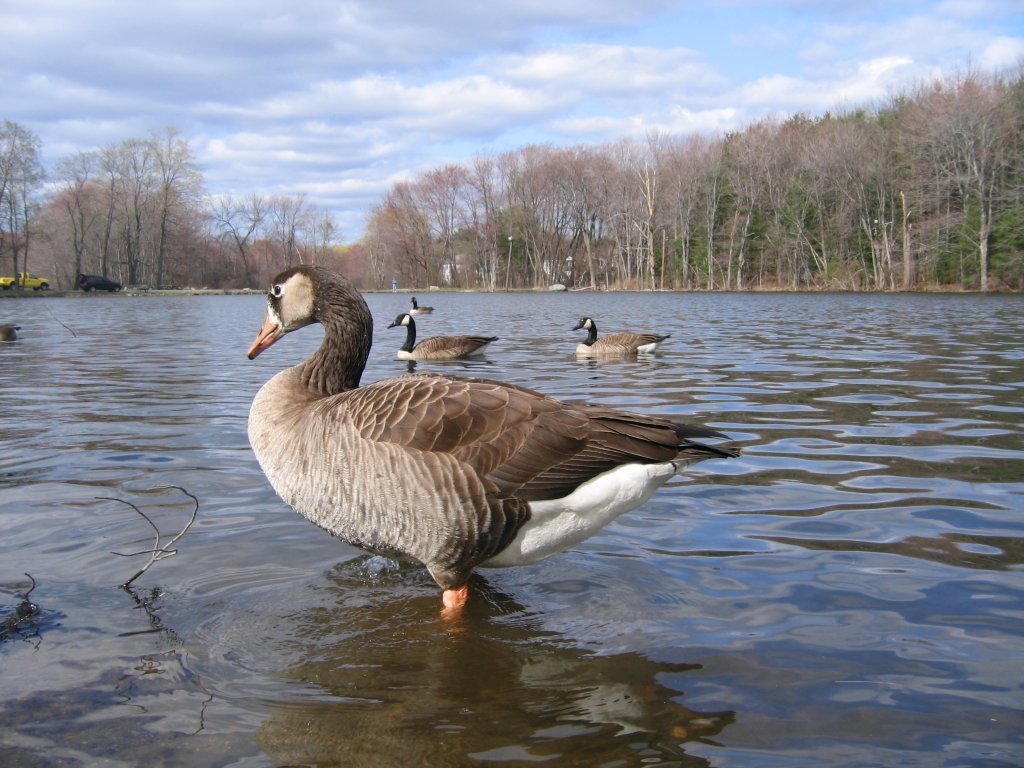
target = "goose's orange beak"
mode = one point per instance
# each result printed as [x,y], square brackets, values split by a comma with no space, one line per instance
[269,333]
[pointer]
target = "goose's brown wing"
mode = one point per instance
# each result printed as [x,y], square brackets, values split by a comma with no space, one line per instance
[619,437]
[507,433]
[628,341]
[441,347]
[524,443]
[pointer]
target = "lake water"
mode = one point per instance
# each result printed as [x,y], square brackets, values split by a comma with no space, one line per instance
[849,592]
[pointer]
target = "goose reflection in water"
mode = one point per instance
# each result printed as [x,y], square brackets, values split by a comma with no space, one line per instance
[402,687]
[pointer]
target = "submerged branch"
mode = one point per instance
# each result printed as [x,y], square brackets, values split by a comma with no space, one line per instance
[66,326]
[24,613]
[158,551]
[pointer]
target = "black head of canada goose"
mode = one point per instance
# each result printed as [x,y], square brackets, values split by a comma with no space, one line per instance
[620,344]
[437,347]
[9,332]
[418,310]
[449,471]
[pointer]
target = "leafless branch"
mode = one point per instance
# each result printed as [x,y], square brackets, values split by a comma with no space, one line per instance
[157,552]
[69,329]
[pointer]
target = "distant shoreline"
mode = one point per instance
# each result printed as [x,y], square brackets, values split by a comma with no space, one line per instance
[13,294]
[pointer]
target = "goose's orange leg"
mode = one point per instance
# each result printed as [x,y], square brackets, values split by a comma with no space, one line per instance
[454,599]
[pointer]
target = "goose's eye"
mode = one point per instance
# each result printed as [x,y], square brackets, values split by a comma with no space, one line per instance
[277,290]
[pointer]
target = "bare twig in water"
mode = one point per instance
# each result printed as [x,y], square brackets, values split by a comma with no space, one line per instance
[158,552]
[59,321]
[148,603]
[24,613]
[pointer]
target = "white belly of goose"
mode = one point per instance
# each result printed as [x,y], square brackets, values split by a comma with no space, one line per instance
[559,524]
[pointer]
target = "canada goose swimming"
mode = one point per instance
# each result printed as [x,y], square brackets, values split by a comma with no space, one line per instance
[418,310]
[449,471]
[437,347]
[620,344]
[9,332]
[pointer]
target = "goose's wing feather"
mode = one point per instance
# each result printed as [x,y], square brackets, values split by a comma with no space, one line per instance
[452,345]
[615,438]
[630,340]
[519,440]
[506,433]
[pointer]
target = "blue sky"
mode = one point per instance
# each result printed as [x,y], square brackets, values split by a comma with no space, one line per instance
[338,101]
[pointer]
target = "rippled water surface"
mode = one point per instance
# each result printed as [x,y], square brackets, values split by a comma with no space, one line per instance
[849,592]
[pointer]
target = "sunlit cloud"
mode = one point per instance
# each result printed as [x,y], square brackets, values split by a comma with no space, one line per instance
[1002,53]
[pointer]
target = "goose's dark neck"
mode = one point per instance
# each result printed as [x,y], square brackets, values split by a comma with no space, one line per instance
[591,334]
[410,336]
[338,364]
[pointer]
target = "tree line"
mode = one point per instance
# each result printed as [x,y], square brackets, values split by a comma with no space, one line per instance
[922,192]
[137,212]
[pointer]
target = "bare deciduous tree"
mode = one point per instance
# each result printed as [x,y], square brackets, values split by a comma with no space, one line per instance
[238,221]
[179,187]
[965,131]
[21,176]
[78,198]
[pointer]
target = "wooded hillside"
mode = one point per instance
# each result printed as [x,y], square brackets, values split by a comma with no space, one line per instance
[923,193]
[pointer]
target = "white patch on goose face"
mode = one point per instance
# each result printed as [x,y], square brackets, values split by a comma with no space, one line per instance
[274,314]
[291,303]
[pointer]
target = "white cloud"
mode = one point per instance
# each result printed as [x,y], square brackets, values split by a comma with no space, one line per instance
[612,69]
[860,84]
[675,120]
[1002,53]
[873,80]
[977,9]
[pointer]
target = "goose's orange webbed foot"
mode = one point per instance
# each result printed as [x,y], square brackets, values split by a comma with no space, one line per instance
[454,600]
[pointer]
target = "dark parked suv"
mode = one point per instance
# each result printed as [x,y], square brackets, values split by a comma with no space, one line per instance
[97,283]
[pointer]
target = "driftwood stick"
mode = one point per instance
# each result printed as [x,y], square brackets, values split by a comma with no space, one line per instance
[66,326]
[157,552]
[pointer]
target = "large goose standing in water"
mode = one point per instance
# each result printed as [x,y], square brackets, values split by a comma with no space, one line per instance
[615,344]
[448,471]
[437,347]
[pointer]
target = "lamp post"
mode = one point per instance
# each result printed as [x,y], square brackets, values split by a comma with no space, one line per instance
[508,264]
